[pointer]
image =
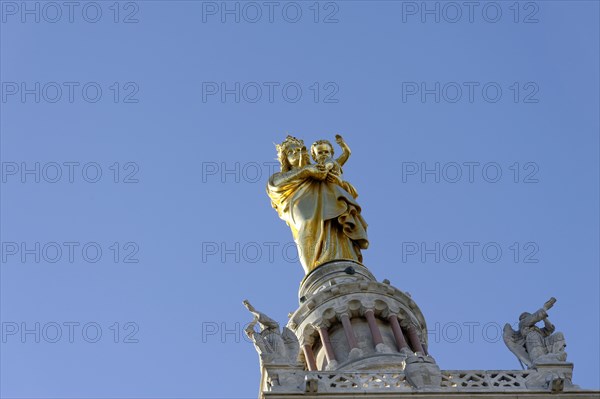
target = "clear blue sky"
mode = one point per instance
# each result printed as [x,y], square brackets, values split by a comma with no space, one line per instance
[366,70]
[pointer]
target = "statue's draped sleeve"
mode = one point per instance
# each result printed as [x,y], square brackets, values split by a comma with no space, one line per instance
[530,320]
[325,219]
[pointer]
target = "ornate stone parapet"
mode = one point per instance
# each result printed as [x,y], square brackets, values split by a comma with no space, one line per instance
[282,378]
[557,376]
[422,372]
[289,381]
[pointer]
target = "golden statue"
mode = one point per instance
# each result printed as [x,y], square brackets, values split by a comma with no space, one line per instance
[317,204]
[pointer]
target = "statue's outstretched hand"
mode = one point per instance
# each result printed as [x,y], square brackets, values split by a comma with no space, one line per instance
[317,171]
[339,139]
[248,305]
[549,303]
[335,179]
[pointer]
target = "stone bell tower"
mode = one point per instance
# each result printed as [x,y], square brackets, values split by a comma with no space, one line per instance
[347,320]
[355,336]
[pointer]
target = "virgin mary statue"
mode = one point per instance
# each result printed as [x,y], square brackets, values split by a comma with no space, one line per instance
[324,218]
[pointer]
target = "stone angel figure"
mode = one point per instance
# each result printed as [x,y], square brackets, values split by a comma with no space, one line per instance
[533,345]
[273,346]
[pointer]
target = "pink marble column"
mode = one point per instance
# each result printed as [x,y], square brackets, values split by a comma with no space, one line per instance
[398,335]
[349,331]
[310,357]
[377,338]
[326,344]
[413,337]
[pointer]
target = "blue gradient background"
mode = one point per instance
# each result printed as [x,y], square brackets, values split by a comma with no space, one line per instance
[174,295]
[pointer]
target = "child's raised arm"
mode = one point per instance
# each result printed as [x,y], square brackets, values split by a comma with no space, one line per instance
[345,150]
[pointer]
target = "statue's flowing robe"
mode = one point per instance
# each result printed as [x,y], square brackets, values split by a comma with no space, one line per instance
[324,218]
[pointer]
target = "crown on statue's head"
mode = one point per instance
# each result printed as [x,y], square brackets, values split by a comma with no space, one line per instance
[289,140]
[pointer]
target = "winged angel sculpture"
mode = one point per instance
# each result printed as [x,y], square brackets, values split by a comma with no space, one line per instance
[272,345]
[533,345]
